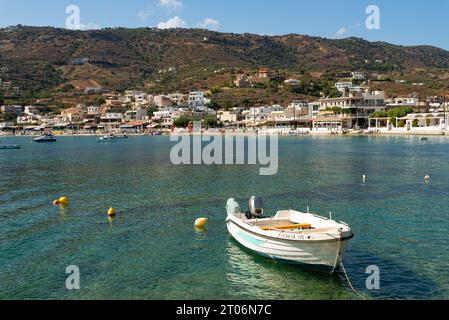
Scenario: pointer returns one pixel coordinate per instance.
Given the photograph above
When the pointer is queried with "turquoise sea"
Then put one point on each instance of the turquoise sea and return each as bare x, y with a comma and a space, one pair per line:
152, 251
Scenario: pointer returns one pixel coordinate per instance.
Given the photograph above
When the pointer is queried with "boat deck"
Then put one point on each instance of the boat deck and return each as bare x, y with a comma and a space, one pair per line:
270, 223
286, 225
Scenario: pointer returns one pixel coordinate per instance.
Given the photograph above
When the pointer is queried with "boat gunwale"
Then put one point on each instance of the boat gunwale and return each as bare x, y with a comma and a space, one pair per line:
264, 234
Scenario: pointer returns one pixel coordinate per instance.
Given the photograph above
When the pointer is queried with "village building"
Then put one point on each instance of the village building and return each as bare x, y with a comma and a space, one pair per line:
264, 73
111, 121
72, 115
162, 101
348, 112
243, 82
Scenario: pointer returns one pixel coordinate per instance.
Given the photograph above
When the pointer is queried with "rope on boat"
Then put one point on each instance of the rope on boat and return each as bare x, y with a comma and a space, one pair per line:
349, 281
338, 258
338, 252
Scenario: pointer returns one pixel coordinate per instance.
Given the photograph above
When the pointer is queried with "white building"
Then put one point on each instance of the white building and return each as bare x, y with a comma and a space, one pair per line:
412, 102
292, 82
357, 75
196, 99
46, 121
135, 114
136, 96
112, 117
177, 98
347, 86
232, 116
314, 109
353, 110
257, 115
300, 108
93, 110
28, 120
30, 110
167, 115
202, 111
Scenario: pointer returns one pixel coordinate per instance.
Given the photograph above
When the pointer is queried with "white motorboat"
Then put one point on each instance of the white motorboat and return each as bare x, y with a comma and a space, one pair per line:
107, 139
289, 236
45, 138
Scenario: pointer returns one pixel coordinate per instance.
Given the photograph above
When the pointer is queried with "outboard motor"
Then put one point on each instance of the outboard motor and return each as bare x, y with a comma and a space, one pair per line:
255, 207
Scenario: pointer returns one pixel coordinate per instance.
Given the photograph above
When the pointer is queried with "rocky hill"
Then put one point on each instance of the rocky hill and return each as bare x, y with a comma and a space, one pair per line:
45, 59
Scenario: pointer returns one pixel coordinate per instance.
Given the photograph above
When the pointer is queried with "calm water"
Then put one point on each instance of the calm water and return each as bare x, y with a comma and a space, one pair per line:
152, 251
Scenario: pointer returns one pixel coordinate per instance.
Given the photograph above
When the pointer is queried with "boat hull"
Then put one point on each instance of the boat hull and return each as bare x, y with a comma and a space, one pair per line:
44, 140
10, 147
316, 253
106, 140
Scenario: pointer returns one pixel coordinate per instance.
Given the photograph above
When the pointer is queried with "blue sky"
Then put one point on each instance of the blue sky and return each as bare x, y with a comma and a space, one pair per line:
402, 22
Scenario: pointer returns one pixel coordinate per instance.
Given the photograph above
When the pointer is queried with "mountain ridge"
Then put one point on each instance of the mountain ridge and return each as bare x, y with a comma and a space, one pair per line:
42, 58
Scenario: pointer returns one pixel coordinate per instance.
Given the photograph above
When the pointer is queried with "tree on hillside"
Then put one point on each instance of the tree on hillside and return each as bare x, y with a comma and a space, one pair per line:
101, 101
329, 90
7, 117
182, 122
213, 105
152, 110
211, 122
215, 90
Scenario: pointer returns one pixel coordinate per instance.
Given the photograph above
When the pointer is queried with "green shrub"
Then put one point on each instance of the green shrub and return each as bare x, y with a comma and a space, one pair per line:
400, 112
379, 114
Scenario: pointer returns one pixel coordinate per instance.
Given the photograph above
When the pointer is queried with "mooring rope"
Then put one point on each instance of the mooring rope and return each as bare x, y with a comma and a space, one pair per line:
349, 281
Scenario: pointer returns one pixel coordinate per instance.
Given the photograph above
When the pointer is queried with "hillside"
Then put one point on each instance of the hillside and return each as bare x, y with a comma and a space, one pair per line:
44, 59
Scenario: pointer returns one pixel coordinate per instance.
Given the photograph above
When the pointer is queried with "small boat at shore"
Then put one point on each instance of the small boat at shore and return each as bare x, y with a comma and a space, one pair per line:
120, 136
107, 139
45, 138
10, 147
290, 236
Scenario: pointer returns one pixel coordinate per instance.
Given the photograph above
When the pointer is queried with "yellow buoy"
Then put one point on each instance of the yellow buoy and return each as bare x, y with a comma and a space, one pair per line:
112, 212
63, 201
201, 222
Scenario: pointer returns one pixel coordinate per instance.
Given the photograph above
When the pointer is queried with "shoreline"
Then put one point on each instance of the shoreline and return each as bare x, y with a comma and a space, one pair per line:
310, 134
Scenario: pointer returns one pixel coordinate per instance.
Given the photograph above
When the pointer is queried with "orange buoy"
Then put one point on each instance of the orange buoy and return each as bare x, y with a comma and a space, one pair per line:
201, 222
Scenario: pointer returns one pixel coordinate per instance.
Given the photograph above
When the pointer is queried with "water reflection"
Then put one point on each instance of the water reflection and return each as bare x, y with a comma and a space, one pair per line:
254, 277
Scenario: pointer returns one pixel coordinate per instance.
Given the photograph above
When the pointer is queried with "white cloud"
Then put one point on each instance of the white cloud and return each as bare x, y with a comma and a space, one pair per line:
144, 14
89, 26
175, 22
342, 32
209, 23
171, 4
